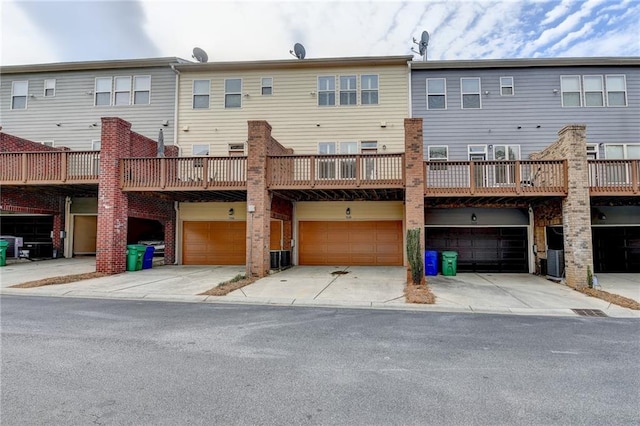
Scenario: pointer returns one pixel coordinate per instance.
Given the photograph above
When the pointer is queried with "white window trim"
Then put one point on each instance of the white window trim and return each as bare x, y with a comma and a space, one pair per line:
606, 91
340, 90
362, 89
437, 94
234, 147
625, 152
484, 151
44, 90
95, 91
335, 87
479, 93
224, 98
335, 147
114, 91
133, 89
513, 85
262, 86
201, 144
50, 143
602, 91
194, 94
506, 151
95, 142
562, 91
26, 96
594, 148
446, 147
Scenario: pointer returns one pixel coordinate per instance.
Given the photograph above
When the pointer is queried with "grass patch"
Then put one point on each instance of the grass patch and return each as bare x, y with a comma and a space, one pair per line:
419, 294
616, 299
227, 287
60, 280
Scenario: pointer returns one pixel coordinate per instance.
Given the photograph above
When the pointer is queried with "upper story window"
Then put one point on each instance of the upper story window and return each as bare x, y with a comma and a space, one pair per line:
236, 149
592, 151
326, 148
622, 151
233, 93
49, 87
570, 88
470, 92
369, 147
266, 84
348, 93
436, 93
19, 92
200, 150
201, 89
593, 91
122, 95
616, 90
326, 91
47, 143
506, 86
103, 91
438, 153
141, 89
369, 89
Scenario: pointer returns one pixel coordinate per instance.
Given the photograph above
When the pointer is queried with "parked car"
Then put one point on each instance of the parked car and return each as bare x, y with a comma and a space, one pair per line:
158, 244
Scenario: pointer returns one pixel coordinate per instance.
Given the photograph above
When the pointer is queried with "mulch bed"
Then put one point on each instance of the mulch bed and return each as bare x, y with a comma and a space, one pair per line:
616, 299
228, 286
419, 294
60, 280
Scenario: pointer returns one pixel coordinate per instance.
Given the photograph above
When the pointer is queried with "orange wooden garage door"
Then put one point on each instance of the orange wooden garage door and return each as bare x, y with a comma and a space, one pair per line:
350, 243
214, 243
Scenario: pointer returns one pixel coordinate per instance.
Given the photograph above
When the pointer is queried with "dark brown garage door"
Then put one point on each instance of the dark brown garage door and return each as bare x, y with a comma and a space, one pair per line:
350, 243
214, 243
616, 249
482, 249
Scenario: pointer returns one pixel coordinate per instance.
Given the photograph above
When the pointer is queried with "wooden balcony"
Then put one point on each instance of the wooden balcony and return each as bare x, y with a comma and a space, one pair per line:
49, 168
366, 171
183, 174
614, 177
495, 178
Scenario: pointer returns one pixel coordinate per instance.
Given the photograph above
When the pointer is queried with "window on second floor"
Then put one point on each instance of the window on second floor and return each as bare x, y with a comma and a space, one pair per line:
236, 149
233, 93
506, 86
616, 90
570, 88
141, 89
200, 150
103, 91
47, 143
122, 95
436, 93
348, 93
19, 93
593, 91
49, 87
470, 93
438, 154
369, 89
326, 91
266, 86
201, 89
622, 151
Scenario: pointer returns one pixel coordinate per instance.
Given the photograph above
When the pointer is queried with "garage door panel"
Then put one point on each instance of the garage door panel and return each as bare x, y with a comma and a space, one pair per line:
350, 243
616, 249
214, 243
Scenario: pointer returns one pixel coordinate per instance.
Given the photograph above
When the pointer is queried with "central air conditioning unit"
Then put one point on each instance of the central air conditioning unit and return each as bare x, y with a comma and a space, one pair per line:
555, 263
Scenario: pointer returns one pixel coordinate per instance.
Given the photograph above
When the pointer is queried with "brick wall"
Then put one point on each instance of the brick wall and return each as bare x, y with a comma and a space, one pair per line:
414, 177
10, 143
144, 207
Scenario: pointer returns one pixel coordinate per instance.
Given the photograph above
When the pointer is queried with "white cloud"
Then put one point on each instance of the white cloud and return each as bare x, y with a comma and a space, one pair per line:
21, 41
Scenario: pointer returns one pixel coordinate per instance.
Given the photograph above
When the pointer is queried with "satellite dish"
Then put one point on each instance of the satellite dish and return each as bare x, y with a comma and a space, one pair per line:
424, 42
298, 51
200, 55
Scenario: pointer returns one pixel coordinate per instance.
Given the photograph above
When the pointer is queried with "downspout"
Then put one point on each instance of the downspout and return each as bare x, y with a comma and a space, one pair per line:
409, 87
176, 237
175, 107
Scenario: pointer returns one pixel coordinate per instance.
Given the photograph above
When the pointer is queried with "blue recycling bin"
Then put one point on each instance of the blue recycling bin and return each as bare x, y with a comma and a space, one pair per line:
147, 260
431, 262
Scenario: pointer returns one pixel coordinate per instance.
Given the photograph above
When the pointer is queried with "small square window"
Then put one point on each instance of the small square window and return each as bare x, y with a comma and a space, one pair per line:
236, 149
506, 86
50, 88
438, 154
19, 91
267, 86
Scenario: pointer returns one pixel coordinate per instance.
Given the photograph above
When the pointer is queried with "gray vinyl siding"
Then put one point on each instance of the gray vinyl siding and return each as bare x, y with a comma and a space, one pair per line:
533, 104
73, 107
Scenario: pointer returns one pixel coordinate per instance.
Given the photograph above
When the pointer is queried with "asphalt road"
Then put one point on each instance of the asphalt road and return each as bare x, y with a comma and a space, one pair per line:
81, 361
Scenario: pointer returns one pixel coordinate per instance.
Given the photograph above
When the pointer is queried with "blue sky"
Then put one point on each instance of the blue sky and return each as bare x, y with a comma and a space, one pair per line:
62, 31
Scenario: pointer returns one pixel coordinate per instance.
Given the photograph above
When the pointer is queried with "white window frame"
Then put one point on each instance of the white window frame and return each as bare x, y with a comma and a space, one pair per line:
238, 93
96, 145
585, 78
236, 149
198, 162
504, 175
364, 90
136, 89
96, 92
327, 91
326, 168
504, 85
463, 93
563, 91
625, 150
351, 92
607, 91
592, 148
52, 83
194, 94
431, 157
482, 151
443, 94
264, 86
116, 91
368, 168
14, 95
49, 143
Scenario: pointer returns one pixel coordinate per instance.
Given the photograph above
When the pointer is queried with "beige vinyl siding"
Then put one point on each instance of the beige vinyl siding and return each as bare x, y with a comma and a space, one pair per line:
212, 211
73, 107
292, 110
360, 210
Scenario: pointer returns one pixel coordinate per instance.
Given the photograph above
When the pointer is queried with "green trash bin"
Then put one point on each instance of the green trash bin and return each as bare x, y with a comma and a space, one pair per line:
449, 263
135, 254
3, 252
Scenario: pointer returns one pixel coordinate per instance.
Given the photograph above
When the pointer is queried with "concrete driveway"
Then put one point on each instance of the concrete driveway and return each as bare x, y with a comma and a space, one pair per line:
23, 270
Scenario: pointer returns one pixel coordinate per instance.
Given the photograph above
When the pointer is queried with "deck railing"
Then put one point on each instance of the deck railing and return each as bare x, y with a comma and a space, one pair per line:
183, 173
50, 167
336, 171
495, 178
614, 177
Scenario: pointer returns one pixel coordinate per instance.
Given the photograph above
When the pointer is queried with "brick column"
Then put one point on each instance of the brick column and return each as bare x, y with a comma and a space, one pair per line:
259, 221
58, 226
414, 178
169, 242
111, 244
576, 207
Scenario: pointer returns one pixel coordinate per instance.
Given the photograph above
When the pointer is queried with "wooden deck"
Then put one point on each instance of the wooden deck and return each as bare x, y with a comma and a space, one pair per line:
49, 168
614, 177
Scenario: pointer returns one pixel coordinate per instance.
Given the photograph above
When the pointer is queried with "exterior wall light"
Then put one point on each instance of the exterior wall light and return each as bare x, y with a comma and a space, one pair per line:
348, 211
474, 218
231, 211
